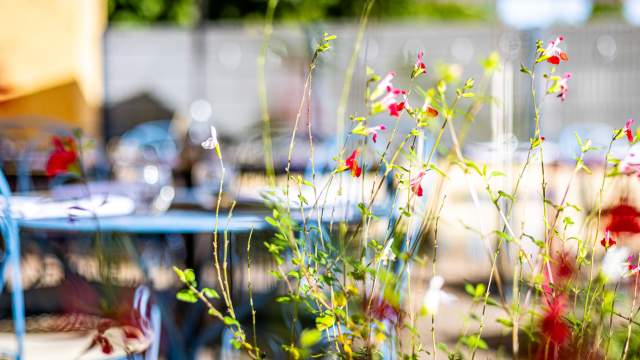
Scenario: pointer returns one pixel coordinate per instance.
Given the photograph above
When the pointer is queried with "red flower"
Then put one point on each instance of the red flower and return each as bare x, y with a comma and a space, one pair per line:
384, 96
352, 164
564, 268
415, 183
632, 265
607, 241
419, 67
628, 130
554, 327
382, 310
395, 109
62, 157
623, 218
554, 53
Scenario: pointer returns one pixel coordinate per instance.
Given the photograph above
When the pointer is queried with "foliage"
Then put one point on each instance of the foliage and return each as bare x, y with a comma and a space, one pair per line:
566, 299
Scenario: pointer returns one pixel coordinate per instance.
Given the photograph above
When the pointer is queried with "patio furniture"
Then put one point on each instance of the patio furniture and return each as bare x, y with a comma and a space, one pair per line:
184, 222
11, 256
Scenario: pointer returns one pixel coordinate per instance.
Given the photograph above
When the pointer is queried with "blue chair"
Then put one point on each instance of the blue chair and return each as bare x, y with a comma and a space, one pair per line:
10, 235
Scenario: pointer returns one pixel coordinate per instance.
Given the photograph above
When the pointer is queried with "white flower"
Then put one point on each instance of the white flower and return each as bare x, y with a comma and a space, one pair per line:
387, 255
614, 264
435, 295
631, 162
211, 142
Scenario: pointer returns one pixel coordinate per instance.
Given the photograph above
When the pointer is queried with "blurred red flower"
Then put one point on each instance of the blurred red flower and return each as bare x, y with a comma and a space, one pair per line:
623, 218
554, 327
62, 157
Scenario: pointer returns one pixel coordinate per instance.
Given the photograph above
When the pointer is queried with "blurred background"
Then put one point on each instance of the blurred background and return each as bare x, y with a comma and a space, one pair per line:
145, 79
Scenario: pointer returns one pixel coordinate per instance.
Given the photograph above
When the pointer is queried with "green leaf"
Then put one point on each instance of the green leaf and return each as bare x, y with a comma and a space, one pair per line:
436, 169
506, 322
525, 70
469, 289
310, 337
210, 293
180, 274
505, 195
187, 295
474, 342
235, 343
504, 236
325, 321
229, 321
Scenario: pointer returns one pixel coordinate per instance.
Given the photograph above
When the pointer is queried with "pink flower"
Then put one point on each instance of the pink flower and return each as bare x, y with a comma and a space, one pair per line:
607, 242
564, 86
419, 67
628, 130
633, 267
374, 131
554, 53
352, 164
415, 183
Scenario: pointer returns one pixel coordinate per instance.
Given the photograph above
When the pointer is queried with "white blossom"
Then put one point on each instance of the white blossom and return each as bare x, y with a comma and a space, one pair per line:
211, 142
614, 264
435, 295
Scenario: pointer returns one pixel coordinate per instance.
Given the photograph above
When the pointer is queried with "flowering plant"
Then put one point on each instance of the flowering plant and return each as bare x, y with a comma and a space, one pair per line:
568, 291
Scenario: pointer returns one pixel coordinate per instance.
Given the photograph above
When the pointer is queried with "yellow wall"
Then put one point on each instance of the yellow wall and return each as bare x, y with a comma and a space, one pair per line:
51, 60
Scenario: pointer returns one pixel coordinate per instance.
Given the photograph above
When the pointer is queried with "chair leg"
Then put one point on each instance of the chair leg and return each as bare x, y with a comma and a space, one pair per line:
17, 294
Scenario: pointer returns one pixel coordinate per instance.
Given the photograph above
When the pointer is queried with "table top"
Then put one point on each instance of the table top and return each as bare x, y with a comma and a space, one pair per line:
170, 222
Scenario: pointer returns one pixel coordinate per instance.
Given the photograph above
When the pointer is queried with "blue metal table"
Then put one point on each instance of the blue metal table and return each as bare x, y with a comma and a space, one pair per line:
170, 222
185, 222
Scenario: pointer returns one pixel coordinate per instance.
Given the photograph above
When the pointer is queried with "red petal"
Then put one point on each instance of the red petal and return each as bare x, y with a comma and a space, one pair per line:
554, 60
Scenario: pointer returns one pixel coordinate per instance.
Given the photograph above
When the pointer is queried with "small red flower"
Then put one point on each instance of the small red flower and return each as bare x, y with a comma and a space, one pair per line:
419, 67
62, 157
628, 130
554, 53
632, 265
384, 96
352, 164
395, 109
554, 327
607, 241
415, 183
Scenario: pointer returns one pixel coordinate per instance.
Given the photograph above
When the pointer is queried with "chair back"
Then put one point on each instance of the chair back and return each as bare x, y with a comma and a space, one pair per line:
149, 321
